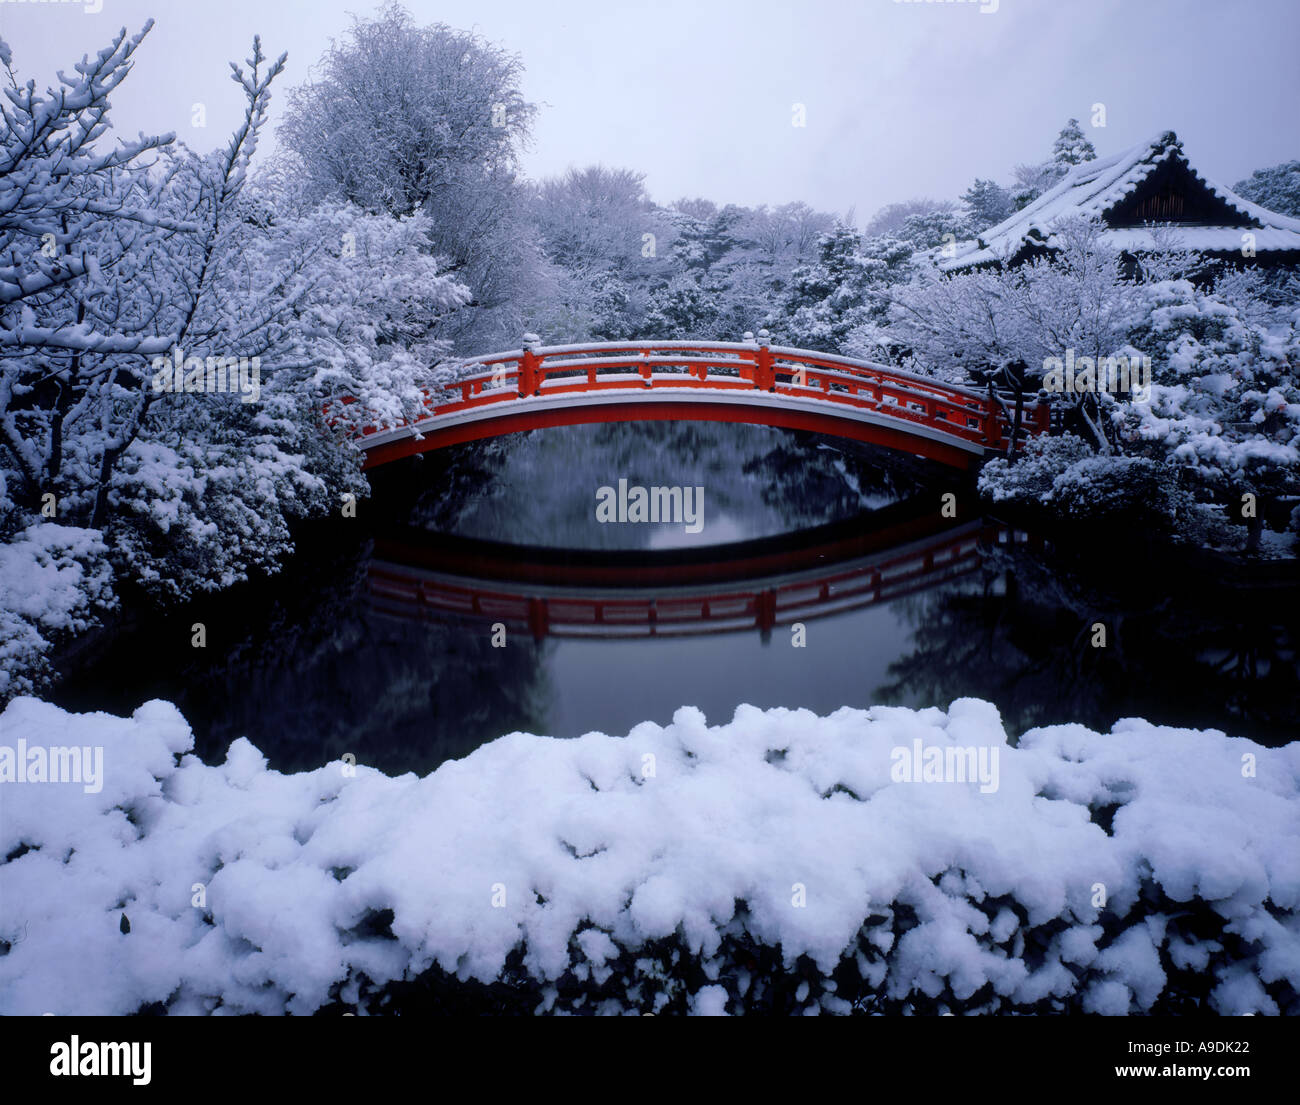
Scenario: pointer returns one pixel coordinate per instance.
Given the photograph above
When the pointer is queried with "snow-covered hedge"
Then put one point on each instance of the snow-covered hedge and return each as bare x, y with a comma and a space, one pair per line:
769, 863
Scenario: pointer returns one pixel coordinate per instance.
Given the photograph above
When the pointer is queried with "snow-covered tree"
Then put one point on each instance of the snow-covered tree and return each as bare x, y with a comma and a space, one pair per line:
705, 234
617, 260
1277, 188
1072, 147
936, 228
889, 220
1031, 181
142, 249
958, 326
686, 307
169, 358
594, 219
402, 118
784, 237
1220, 420
987, 203
1225, 402
844, 289
962, 327
609, 247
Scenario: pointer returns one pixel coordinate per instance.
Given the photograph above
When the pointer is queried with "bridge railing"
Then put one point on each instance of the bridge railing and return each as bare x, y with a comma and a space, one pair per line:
752, 365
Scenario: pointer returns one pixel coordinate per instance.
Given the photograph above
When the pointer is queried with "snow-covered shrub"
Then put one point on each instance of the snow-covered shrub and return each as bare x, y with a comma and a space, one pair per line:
54, 582
771, 863
1116, 489
1063, 475
1225, 401
684, 308
1031, 477
361, 296
199, 516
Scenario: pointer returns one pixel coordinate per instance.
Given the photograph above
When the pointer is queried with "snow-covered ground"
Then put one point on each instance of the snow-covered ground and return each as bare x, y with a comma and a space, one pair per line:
247, 890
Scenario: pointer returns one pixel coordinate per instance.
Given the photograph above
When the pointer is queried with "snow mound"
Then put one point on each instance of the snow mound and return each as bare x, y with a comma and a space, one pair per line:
660, 870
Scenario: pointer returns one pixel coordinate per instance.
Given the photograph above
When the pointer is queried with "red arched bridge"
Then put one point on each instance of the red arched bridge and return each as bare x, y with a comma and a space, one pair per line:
753, 382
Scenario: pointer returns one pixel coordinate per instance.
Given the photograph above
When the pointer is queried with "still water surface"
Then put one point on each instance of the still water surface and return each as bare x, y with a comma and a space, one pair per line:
378, 637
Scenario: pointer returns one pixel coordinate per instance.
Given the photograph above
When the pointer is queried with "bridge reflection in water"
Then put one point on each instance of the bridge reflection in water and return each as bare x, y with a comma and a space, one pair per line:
758, 585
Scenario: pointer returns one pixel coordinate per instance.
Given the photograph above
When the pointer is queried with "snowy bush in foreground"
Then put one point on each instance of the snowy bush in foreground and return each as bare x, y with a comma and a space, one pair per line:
54, 581
768, 863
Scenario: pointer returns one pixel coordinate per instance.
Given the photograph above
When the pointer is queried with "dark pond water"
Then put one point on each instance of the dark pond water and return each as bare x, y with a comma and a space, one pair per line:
479, 594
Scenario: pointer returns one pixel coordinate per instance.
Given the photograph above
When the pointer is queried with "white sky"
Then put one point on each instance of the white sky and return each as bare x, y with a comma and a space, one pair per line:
902, 99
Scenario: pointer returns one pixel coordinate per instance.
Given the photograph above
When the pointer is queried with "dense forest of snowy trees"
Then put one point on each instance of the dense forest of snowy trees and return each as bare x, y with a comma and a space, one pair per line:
394, 232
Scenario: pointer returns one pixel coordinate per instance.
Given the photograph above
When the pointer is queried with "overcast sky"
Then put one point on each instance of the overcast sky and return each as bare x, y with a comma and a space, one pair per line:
901, 99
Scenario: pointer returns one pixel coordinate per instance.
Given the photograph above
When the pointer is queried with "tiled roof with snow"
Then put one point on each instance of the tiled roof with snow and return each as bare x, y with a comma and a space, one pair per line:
1095, 187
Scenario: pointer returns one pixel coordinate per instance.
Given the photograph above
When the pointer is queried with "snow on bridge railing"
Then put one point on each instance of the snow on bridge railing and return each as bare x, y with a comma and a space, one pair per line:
537, 370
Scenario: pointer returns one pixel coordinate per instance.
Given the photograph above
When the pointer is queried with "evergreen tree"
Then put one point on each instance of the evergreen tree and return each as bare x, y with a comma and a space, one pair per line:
1072, 147
683, 309
704, 240
841, 290
1277, 188
987, 204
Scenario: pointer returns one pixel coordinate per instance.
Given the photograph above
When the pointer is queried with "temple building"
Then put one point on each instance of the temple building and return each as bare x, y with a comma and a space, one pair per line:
1149, 198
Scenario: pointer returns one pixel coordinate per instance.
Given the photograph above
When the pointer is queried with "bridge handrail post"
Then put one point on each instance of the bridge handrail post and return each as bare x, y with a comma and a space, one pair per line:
764, 363
528, 365
992, 420
1043, 411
